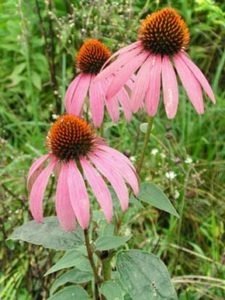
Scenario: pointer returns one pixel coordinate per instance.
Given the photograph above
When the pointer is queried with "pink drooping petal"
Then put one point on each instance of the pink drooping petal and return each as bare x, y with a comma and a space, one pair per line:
199, 75
78, 195
57, 169
64, 209
141, 85
123, 168
114, 179
96, 99
35, 170
125, 103
125, 54
99, 188
131, 82
170, 89
38, 189
70, 92
79, 95
190, 83
122, 76
128, 48
153, 92
112, 106
116, 154
125, 57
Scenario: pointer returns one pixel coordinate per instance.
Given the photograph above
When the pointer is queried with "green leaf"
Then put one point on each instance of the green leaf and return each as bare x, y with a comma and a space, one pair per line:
112, 290
36, 80
41, 62
153, 195
110, 242
144, 276
18, 69
107, 229
72, 258
72, 276
72, 292
48, 234
16, 76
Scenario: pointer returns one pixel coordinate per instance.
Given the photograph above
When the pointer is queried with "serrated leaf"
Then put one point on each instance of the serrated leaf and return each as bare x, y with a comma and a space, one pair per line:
72, 276
72, 292
153, 195
104, 243
48, 234
71, 258
144, 276
112, 290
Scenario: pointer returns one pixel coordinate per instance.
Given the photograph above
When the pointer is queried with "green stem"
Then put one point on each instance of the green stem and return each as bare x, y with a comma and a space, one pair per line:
136, 141
97, 280
106, 268
101, 130
63, 88
147, 137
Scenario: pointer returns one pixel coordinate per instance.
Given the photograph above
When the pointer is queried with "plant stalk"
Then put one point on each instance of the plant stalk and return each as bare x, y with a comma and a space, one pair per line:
97, 280
147, 138
106, 268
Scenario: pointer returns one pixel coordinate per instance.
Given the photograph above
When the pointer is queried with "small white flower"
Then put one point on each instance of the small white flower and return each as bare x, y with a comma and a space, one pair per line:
127, 232
170, 175
154, 151
54, 116
144, 127
188, 160
176, 194
163, 155
133, 158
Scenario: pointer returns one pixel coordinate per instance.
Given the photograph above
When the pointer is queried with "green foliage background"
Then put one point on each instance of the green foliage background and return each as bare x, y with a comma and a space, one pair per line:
38, 42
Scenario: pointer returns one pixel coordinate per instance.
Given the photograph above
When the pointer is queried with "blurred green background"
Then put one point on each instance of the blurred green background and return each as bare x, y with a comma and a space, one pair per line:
38, 42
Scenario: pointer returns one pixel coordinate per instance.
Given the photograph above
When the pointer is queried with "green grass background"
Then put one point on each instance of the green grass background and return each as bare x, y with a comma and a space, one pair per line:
38, 41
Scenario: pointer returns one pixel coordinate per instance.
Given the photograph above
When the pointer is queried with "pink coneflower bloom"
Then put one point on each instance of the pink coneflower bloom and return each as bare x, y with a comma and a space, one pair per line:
79, 159
90, 59
158, 56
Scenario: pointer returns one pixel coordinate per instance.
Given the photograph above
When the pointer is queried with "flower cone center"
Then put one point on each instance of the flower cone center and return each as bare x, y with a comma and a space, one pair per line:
70, 137
164, 32
92, 56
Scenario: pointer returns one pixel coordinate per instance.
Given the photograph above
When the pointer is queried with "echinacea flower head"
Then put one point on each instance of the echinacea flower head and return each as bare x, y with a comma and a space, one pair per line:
90, 59
164, 33
92, 56
79, 159
158, 56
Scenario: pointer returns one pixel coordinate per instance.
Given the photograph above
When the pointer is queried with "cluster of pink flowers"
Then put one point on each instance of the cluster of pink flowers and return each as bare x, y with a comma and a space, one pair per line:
129, 80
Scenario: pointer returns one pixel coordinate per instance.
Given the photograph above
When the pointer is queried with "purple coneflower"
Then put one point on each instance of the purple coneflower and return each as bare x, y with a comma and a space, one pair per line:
90, 59
79, 158
159, 54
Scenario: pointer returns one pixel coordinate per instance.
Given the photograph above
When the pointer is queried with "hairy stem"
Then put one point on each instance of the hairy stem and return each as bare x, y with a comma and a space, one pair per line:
97, 280
147, 137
